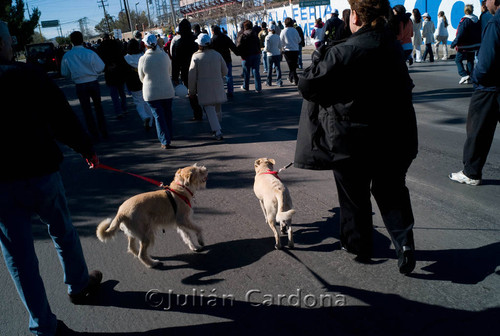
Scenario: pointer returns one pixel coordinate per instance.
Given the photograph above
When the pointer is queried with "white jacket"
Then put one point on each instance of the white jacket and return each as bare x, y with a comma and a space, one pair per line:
206, 73
154, 72
290, 39
82, 65
441, 29
428, 31
272, 45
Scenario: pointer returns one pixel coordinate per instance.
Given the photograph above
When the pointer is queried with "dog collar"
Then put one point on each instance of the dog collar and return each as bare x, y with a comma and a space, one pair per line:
270, 172
187, 189
181, 196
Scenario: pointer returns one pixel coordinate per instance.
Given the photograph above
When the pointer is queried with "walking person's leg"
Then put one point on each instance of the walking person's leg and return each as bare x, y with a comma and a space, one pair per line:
17, 245
246, 74
356, 223
229, 80
277, 62
210, 110
83, 94
161, 124
393, 200
256, 73
114, 92
95, 94
482, 119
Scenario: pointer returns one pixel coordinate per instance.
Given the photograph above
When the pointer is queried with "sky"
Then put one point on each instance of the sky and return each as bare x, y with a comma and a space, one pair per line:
68, 12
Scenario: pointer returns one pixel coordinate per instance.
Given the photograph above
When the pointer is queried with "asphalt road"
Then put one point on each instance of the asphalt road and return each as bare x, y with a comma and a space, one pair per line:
239, 284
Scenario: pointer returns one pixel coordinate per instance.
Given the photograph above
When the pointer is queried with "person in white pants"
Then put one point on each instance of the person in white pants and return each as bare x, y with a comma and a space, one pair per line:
206, 74
442, 35
134, 84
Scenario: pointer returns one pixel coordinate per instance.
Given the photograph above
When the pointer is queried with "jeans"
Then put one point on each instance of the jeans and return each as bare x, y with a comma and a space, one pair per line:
162, 112
229, 78
300, 64
469, 57
482, 119
251, 63
85, 92
117, 93
264, 60
19, 202
274, 60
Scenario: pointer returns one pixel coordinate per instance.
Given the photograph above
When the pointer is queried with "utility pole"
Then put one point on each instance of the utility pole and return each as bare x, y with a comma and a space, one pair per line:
128, 15
105, 14
149, 17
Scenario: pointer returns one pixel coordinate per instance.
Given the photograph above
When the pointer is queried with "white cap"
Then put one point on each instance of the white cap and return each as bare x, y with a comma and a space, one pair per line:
203, 40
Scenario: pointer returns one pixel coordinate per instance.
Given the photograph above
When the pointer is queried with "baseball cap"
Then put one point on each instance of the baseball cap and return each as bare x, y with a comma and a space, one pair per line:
203, 40
425, 15
150, 40
272, 27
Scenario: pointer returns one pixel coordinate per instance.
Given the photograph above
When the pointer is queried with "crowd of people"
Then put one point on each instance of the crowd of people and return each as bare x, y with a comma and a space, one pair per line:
338, 130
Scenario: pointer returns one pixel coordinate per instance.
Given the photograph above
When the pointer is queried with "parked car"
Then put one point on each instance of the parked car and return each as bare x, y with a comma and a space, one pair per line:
43, 54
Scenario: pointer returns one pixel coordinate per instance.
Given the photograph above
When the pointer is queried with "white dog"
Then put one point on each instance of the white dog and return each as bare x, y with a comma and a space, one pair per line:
274, 198
140, 216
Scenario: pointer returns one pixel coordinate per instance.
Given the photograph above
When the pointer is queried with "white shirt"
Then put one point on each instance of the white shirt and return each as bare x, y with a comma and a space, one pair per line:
82, 65
272, 45
290, 39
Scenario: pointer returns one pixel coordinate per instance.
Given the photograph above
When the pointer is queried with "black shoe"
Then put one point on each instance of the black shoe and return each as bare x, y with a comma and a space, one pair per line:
63, 330
95, 278
406, 261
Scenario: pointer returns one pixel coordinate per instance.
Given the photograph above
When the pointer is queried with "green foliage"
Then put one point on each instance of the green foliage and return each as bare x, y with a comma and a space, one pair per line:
13, 13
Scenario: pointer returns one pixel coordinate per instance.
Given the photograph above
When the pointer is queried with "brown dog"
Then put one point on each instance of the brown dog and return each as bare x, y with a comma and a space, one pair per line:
140, 216
274, 198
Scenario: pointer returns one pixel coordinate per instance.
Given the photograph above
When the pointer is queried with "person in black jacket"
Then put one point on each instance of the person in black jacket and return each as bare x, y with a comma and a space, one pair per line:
223, 44
363, 127
182, 51
249, 49
111, 54
30, 185
484, 107
467, 43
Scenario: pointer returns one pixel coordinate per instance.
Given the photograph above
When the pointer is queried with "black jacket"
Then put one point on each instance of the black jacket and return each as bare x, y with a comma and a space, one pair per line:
357, 102
34, 116
248, 44
223, 44
111, 53
182, 51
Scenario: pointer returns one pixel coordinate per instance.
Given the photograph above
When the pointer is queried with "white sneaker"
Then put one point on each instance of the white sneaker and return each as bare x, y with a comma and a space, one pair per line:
464, 79
444, 58
460, 177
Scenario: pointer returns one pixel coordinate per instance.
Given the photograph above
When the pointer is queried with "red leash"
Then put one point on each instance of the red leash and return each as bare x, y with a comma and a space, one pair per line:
150, 180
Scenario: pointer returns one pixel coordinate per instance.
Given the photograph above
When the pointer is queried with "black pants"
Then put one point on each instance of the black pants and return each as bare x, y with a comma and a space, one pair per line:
356, 180
85, 92
428, 50
292, 58
484, 113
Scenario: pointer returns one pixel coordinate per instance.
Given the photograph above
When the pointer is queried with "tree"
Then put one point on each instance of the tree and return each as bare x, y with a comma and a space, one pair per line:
22, 29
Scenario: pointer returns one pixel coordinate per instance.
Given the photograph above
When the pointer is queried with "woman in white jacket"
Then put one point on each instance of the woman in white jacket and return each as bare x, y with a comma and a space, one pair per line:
442, 35
416, 18
428, 30
206, 74
157, 89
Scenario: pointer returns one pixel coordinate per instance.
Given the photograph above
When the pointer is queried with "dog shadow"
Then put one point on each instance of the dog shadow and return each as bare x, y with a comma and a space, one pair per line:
220, 257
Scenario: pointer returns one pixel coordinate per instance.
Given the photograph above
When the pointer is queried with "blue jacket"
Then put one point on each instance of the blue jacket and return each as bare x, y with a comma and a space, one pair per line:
486, 73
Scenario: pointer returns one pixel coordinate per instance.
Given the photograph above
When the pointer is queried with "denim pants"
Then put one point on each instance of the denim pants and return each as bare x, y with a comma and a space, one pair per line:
85, 92
229, 78
251, 63
162, 112
19, 202
274, 60
469, 57
264, 60
119, 98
